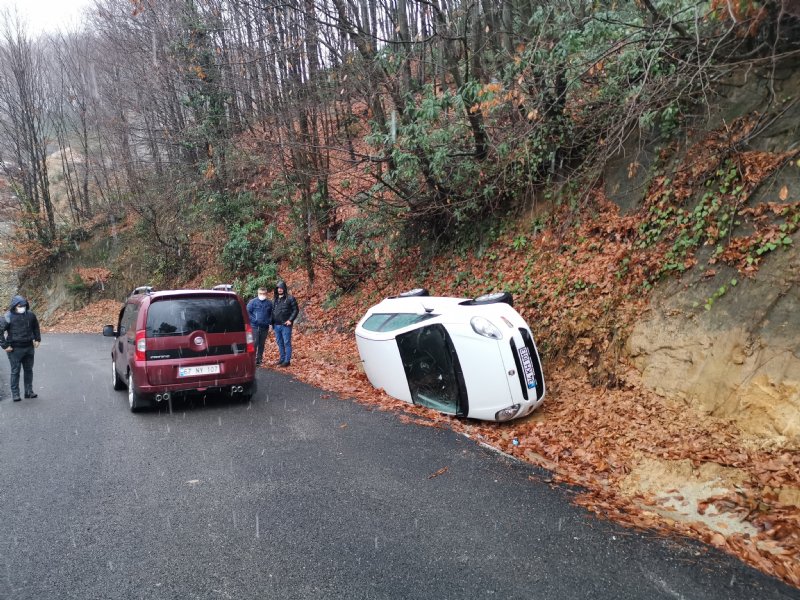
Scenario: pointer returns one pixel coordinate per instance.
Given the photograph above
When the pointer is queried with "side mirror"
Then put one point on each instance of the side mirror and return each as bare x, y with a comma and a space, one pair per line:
108, 331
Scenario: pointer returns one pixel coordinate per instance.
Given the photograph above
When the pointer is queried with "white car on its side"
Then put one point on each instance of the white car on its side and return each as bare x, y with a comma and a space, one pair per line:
471, 358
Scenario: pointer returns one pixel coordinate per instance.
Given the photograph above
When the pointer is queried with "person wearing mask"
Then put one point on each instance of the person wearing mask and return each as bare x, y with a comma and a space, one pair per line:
19, 337
284, 313
260, 311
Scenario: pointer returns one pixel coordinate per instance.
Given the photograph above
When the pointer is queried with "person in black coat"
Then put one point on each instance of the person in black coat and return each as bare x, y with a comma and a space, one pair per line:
19, 337
284, 313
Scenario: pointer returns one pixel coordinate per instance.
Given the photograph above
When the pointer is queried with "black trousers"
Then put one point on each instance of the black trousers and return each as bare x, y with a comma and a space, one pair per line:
260, 338
21, 357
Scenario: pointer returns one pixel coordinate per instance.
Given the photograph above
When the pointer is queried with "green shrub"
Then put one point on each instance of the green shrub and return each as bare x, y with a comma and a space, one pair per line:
249, 245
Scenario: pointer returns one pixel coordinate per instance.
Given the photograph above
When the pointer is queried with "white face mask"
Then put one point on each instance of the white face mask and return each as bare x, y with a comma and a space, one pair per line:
262, 296
20, 309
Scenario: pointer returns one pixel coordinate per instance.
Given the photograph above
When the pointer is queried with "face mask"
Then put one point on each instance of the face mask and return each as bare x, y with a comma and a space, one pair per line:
20, 309
262, 296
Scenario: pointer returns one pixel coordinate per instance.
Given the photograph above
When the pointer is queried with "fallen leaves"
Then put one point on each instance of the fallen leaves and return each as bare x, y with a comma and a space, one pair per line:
441, 471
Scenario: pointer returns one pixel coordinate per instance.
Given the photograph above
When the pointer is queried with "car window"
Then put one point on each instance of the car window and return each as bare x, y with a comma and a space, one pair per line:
181, 316
392, 321
128, 318
433, 370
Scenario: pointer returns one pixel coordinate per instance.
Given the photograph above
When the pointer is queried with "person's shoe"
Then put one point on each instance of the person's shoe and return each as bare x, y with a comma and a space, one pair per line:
17, 399
278, 363
284, 364
31, 395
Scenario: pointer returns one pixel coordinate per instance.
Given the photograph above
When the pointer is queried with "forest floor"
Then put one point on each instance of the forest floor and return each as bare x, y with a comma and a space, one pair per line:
636, 457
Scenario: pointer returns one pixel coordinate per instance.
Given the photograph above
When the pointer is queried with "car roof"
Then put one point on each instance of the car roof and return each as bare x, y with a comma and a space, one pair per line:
182, 293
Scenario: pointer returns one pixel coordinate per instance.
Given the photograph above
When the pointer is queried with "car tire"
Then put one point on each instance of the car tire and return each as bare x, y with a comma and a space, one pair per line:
135, 399
117, 381
414, 292
494, 298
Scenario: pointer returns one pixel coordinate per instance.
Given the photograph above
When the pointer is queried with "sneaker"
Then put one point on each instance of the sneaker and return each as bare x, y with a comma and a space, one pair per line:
278, 363
17, 399
284, 364
31, 395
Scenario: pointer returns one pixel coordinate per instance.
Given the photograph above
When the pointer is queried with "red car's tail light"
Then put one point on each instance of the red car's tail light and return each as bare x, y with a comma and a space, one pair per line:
141, 345
251, 346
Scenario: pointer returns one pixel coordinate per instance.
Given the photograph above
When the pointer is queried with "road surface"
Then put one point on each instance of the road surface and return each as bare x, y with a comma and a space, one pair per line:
298, 495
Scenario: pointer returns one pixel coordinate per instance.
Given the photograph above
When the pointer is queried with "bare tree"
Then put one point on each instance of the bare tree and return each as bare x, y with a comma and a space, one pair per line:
24, 112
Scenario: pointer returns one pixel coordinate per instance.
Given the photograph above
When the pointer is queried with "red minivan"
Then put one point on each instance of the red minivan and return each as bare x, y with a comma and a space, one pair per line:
176, 342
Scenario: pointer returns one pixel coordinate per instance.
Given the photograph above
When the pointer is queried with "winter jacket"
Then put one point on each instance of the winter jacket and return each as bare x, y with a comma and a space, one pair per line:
283, 309
260, 312
19, 330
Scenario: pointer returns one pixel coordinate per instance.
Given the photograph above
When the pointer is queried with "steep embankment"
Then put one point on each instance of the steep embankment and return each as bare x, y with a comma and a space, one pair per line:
670, 337
738, 355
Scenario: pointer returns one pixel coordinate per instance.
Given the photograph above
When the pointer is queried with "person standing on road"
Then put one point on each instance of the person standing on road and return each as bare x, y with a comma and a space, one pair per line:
260, 311
284, 313
19, 337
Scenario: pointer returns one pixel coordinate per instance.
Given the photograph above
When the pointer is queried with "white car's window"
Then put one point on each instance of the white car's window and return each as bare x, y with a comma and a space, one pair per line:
392, 321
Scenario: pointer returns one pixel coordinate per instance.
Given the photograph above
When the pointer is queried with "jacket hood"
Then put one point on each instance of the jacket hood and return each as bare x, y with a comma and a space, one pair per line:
17, 301
282, 284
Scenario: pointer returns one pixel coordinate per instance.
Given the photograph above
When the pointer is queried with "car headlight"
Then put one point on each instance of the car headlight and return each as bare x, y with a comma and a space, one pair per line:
484, 327
507, 413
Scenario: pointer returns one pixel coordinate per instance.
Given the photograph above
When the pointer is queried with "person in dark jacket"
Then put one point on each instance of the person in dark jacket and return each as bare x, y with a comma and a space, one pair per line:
19, 337
284, 313
260, 311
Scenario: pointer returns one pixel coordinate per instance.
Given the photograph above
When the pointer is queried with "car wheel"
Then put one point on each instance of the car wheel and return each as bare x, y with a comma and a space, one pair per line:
134, 398
116, 380
414, 292
494, 298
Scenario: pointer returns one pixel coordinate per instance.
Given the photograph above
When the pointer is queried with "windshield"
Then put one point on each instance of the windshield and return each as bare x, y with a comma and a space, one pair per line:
181, 316
433, 370
392, 321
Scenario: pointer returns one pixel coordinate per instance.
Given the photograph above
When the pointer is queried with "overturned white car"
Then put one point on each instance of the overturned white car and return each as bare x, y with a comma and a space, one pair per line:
471, 358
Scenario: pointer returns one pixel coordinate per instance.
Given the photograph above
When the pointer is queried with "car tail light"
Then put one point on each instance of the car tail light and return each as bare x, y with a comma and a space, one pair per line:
141, 345
251, 347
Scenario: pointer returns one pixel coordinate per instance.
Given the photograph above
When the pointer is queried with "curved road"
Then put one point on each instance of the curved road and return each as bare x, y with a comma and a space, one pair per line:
297, 495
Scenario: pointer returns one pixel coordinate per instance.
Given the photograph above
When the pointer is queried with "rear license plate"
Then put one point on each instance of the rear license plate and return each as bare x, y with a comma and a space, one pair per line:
198, 370
527, 367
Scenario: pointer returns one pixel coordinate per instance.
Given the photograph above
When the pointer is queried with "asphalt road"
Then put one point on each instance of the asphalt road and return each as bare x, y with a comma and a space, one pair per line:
298, 495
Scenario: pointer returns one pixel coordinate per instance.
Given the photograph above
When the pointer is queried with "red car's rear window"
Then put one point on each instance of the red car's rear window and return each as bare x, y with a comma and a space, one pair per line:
181, 316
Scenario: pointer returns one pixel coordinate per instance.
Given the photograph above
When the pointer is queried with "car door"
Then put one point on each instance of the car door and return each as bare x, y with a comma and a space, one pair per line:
126, 338
433, 369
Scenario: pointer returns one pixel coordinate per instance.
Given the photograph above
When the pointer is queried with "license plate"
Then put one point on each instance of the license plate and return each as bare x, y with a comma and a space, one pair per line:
198, 370
527, 367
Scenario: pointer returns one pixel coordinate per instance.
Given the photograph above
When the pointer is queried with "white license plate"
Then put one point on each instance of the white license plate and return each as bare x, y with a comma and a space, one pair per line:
198, 370
527, 367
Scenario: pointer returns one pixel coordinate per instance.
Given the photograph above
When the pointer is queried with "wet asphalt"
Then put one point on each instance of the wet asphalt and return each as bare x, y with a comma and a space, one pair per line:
298, 494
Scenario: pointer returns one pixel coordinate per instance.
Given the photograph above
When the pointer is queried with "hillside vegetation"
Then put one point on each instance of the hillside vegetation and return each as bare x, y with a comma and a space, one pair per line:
629, 171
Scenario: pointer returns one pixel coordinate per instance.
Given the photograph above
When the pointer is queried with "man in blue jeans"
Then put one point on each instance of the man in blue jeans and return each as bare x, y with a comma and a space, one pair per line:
284, 313
260, 311
19, 337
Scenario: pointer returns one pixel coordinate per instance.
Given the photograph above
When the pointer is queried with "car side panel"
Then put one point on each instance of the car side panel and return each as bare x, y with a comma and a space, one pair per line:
383, 366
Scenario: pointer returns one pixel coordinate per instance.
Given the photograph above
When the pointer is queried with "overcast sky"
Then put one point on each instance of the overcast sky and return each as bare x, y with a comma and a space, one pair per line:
47, 15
